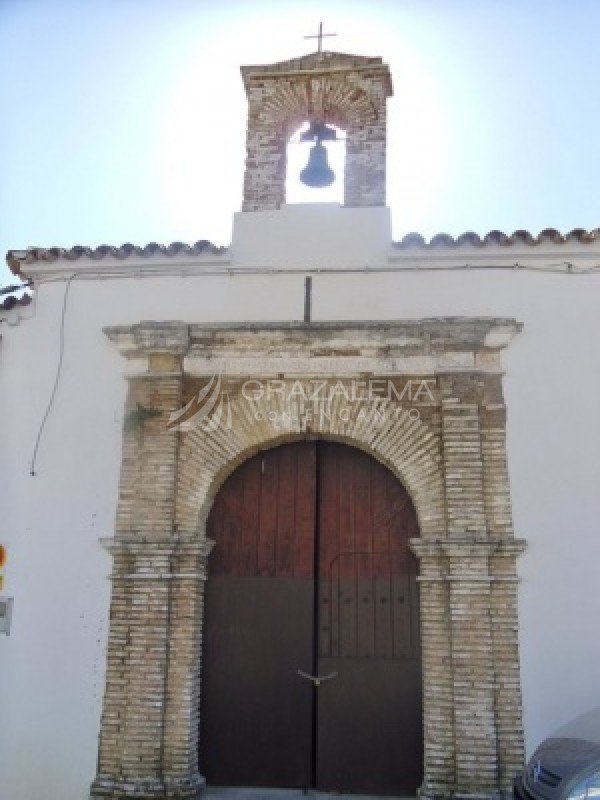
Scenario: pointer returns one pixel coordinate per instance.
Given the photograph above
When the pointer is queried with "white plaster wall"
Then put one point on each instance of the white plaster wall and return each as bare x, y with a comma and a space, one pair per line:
52, 665
311, 235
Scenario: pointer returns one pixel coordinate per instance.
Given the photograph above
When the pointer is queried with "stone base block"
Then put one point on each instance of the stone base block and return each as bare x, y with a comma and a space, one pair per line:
167, 788
491, 794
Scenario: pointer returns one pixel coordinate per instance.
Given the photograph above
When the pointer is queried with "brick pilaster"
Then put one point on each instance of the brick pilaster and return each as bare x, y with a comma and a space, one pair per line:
475, 735
505, 643
264, 176
463, 464
436, 655
467, 550
142, 754
148, 738
182, 702
504, 584
365, 172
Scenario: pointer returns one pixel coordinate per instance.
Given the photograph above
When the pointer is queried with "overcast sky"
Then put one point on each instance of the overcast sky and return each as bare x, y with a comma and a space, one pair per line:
124, 120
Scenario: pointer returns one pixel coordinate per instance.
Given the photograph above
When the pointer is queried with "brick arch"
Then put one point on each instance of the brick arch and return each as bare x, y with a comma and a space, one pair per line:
338, 102
405, 445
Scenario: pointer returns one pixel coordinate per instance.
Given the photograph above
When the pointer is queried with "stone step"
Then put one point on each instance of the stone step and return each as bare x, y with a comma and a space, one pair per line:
248, 793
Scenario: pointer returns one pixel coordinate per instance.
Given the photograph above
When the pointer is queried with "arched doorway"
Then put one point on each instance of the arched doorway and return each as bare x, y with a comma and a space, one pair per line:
311, 575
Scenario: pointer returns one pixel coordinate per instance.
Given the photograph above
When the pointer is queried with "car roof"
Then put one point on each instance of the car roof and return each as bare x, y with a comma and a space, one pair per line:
586, 726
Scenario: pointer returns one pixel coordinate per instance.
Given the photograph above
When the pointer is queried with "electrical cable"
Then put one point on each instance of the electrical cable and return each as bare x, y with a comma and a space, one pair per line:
32, 471
199, 270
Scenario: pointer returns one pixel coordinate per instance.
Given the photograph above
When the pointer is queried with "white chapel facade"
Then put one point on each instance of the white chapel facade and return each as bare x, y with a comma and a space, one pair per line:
290, 466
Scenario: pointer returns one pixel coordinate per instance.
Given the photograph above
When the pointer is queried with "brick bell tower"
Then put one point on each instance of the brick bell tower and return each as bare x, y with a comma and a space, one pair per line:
347, 91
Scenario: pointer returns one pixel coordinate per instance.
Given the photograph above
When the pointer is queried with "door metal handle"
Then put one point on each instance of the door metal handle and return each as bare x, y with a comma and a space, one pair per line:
317, 679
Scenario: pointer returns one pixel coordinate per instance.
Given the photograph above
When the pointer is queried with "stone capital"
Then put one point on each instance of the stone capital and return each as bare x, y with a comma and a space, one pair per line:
468, 548
426, 548
146, 339
158, 546
510, 547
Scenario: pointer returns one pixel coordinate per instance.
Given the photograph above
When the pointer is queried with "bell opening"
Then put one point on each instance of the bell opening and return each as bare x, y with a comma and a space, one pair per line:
315, 165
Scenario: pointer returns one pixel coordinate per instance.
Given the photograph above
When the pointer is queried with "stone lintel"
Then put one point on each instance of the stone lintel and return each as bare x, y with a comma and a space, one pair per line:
452, 344
436, 334
343, 365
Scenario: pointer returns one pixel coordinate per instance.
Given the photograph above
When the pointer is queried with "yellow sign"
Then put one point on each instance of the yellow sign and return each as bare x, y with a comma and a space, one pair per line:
2, 563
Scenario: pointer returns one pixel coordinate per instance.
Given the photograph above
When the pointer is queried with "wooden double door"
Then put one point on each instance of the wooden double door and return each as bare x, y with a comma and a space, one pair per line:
311, 656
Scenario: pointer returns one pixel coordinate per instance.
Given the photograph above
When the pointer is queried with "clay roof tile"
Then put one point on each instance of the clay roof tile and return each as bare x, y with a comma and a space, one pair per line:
17, 258
496, 237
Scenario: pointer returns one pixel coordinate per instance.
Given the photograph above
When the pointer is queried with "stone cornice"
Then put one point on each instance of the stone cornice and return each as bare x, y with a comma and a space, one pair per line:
321, 63
417, 347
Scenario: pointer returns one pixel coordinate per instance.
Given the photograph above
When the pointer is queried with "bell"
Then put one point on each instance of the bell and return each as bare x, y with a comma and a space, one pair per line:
317, 173
318, 131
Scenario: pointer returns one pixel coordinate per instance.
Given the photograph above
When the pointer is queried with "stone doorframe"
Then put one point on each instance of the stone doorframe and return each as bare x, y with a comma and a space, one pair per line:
423, 397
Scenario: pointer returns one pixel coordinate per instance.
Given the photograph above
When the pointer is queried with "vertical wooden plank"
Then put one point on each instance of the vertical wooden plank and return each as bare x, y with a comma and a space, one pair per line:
400, 610
231, 533
415, 624
305, 492
215, 532
250, 516
328, 494
384, 641
363, 542
412, 568
286, 511
399, 505
348, 595
268, 509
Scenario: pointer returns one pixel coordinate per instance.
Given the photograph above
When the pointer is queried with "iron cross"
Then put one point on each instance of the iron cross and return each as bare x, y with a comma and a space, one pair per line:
320, 36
